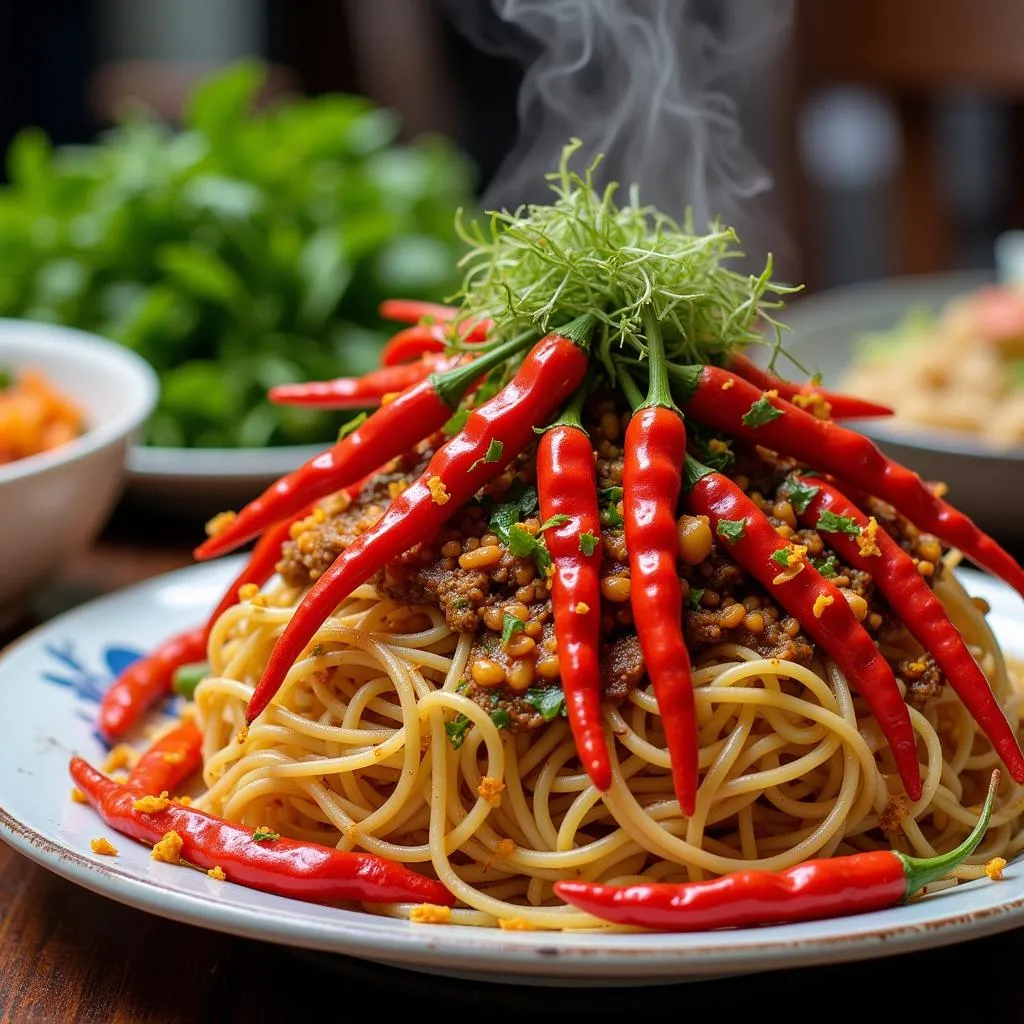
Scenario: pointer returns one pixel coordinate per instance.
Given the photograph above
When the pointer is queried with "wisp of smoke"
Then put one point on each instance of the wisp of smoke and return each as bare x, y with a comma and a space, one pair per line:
641, 81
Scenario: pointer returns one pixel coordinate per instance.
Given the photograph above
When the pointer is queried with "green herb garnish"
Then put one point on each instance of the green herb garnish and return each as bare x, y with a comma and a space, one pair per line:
588, 543
511, 512
510, 625
552, 523
456, 422
265, 835
353, 424
828, 567
493, 454
187, 677
829, 522
781, 557
501, 718
760, 413
694, 596
456, 730
523, 545
800, 495
548, 700
731, 529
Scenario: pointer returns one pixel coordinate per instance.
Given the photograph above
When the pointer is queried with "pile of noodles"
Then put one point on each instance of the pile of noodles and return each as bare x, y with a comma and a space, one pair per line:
354, 752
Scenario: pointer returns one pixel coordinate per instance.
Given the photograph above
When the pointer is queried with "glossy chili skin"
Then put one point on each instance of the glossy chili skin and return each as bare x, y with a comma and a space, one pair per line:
655, 446
721, 399
897, 579
567, 486
359, 392
813, 889
170, 760
841, 407
832, 626
458, 469
412, 311
432, 336
146, 680
305, 871
818, 888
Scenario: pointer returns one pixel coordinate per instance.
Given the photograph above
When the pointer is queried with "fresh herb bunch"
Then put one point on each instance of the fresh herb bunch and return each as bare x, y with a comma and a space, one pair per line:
543, 265
249, 249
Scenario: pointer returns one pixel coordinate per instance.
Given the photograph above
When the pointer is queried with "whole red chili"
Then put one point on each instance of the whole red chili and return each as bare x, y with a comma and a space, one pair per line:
863, 545
412, 343
567, 490
745, 532
431, 330
392, 430
655, 446
360, 392
255, 857
412, 311
169, 760
835, 405
146, 680
723, 400
494, 434
815, 889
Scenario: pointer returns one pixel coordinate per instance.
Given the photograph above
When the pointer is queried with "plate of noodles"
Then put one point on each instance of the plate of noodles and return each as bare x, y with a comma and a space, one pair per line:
528, 677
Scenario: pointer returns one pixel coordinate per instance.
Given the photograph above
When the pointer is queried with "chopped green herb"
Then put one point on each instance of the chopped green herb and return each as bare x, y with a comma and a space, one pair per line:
551, 523
731, 529
508, 513
265, 835
609, 497
760, 413
829, 522
693, 598
588, 543
462, 603
609, 494
456, 730
801, 495
353, 424
510, 625
828, 567
493, 454
548, 700
456, 422
501, 718
781, 557
523, 545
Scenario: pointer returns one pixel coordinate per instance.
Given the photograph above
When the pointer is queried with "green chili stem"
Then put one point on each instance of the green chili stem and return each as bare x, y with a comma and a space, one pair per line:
452, 385
695, 471
658, 393
633, 395
572, 414
922, 870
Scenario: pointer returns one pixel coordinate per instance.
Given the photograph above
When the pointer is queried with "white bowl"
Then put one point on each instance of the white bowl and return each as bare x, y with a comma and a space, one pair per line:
53, 504
985, 482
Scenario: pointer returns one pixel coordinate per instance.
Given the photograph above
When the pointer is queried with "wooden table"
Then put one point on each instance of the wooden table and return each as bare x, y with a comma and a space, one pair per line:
69, 955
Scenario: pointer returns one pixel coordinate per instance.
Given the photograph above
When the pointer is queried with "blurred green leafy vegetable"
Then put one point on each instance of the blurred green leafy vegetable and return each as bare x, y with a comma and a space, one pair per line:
250, 248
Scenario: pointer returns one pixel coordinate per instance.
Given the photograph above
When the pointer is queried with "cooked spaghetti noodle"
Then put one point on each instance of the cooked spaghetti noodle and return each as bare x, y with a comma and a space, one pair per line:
355, 751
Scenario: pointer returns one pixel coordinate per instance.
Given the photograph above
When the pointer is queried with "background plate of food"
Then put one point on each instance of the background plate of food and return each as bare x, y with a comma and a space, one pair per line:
945, 351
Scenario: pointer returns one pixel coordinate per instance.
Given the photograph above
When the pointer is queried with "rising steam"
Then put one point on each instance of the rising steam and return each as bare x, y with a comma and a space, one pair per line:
642, 81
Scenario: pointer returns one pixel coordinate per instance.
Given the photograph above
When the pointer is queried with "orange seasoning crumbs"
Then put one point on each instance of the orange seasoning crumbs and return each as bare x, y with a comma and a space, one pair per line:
105, 848
151, 804
438, 491
581, 608
185, 801
174, 757
169, 848
515, 924
728, 384
217, 872
247, 591
219, 522
716, 445
867, 539
505, 849
994, 868
242, 735
395, 488
795, 563
122, 756
491, 790
430, 913
78, 797
814, 402
821, 602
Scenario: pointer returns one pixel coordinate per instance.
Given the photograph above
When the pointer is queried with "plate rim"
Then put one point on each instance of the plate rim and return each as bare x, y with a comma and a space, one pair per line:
503, 956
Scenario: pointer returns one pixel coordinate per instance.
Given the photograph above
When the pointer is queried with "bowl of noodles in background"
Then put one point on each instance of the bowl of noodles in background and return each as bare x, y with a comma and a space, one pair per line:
944, 352
70, 405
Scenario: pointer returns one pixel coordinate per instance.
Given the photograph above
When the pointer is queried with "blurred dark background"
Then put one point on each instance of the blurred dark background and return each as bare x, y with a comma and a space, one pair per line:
893, 130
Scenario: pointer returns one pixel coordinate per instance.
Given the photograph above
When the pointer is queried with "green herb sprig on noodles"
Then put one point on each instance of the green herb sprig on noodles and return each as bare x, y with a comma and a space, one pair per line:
540, 266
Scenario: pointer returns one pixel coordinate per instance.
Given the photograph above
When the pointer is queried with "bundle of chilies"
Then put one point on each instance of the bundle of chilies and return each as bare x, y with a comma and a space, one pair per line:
424, 382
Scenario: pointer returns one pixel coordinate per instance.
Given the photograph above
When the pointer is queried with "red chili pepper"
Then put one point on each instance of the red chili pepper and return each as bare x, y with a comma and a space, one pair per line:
723, 400
305, 871
359, 392
146, 680
567, 489
895, 574
815, 889
494, 434
837, 406
172, 758
745, 532
655, 447
412, 311
412, 343
392, 430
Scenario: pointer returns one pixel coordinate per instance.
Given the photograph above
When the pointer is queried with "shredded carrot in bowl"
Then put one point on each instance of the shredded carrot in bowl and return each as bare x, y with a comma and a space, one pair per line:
35, 417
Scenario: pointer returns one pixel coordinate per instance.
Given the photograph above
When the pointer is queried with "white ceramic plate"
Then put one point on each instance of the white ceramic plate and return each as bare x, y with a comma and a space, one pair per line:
50, 682
984, 481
